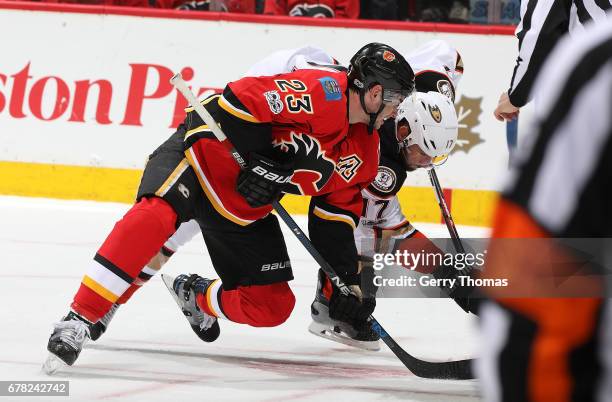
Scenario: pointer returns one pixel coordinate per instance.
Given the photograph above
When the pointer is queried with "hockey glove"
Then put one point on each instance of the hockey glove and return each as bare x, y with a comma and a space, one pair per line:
465, 296
261, 182
352, 309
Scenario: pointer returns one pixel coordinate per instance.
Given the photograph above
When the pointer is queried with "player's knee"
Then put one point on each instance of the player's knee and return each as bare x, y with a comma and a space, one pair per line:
137, 236
268, 305
157, 209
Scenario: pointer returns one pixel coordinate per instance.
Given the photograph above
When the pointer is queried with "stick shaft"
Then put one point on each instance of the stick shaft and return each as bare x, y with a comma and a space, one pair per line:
460, 369
180, 84
448, 219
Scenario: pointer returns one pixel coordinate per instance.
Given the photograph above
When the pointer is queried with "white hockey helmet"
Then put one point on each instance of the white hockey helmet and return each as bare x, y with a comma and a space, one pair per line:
430, 121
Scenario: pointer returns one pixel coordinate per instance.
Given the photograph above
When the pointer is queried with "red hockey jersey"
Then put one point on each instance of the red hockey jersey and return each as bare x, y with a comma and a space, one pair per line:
306, 112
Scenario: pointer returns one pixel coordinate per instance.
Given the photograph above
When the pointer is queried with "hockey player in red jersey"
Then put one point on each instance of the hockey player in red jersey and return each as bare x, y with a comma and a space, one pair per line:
309, 132
438, 67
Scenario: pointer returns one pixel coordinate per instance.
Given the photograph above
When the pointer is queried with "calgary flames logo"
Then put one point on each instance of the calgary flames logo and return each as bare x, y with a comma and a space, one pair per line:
315, 10
388, 56
312, 169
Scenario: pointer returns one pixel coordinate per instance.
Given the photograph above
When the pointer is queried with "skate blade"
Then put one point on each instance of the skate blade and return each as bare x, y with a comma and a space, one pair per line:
53, 364
324, 332
169, 282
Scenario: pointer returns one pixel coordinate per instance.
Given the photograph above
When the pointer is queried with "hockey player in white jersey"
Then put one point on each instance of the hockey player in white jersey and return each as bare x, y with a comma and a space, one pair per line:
438, 68
423, 133
425, 130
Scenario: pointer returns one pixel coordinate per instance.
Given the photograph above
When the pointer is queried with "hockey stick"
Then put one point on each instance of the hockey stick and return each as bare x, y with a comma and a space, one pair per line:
444, 370
448, 219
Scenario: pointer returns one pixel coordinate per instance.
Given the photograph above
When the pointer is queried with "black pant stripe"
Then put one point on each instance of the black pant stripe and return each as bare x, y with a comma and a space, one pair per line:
585, 366
113, 268
144, 276
514, 359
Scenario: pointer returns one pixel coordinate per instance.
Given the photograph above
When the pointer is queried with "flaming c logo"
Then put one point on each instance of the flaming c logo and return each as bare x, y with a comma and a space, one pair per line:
312, 169
388, 56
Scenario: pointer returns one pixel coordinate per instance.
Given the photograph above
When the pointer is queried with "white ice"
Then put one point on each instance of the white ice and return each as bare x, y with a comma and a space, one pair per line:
150, 353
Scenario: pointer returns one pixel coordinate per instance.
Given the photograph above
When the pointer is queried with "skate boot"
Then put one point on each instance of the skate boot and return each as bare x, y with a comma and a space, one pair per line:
100, 327
184, 289
67, 340
338, 331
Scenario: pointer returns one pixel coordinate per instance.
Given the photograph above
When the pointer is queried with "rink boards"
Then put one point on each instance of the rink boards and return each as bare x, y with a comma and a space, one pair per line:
84, 94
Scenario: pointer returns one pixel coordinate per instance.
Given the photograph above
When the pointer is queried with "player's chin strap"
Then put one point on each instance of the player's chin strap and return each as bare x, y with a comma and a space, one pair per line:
373, 116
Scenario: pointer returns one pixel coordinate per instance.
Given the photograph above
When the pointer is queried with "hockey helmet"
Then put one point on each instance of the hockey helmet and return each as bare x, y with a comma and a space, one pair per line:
376, 63
430, 121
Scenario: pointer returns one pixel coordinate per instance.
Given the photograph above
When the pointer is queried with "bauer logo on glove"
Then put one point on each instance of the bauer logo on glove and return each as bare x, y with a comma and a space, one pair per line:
261, 182
270, 175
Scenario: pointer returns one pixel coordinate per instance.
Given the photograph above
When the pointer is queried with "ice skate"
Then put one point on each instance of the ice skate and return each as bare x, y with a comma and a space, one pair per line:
100, 327
184, 289
338, 331
67, 340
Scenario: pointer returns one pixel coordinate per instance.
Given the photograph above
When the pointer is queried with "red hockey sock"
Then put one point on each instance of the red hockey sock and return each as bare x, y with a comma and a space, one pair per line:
147, 273
257, 306
134, 240
128, 293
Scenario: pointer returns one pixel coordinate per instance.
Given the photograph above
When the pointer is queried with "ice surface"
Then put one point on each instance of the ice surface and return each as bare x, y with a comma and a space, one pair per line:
149, 352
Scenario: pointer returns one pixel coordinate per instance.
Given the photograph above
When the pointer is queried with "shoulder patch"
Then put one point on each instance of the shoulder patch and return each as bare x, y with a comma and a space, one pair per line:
274, 101
446, 89
331, 89
385, 180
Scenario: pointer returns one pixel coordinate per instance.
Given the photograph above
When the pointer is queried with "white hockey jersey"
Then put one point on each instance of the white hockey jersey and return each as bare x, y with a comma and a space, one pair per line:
437, 67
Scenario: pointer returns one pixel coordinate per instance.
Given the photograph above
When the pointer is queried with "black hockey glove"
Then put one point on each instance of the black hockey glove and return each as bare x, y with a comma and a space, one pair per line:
261, 182
349, 308
465, 296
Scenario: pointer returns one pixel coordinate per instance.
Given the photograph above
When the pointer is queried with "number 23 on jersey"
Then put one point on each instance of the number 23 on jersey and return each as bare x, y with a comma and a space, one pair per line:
296, 102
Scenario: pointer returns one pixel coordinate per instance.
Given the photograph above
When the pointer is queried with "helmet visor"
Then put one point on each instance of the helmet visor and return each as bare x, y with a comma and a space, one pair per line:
395, 96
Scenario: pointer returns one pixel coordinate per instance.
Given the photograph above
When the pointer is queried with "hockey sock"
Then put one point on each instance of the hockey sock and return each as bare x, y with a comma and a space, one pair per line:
210, 302
257, 306
134, 240
147, 273
185, 232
